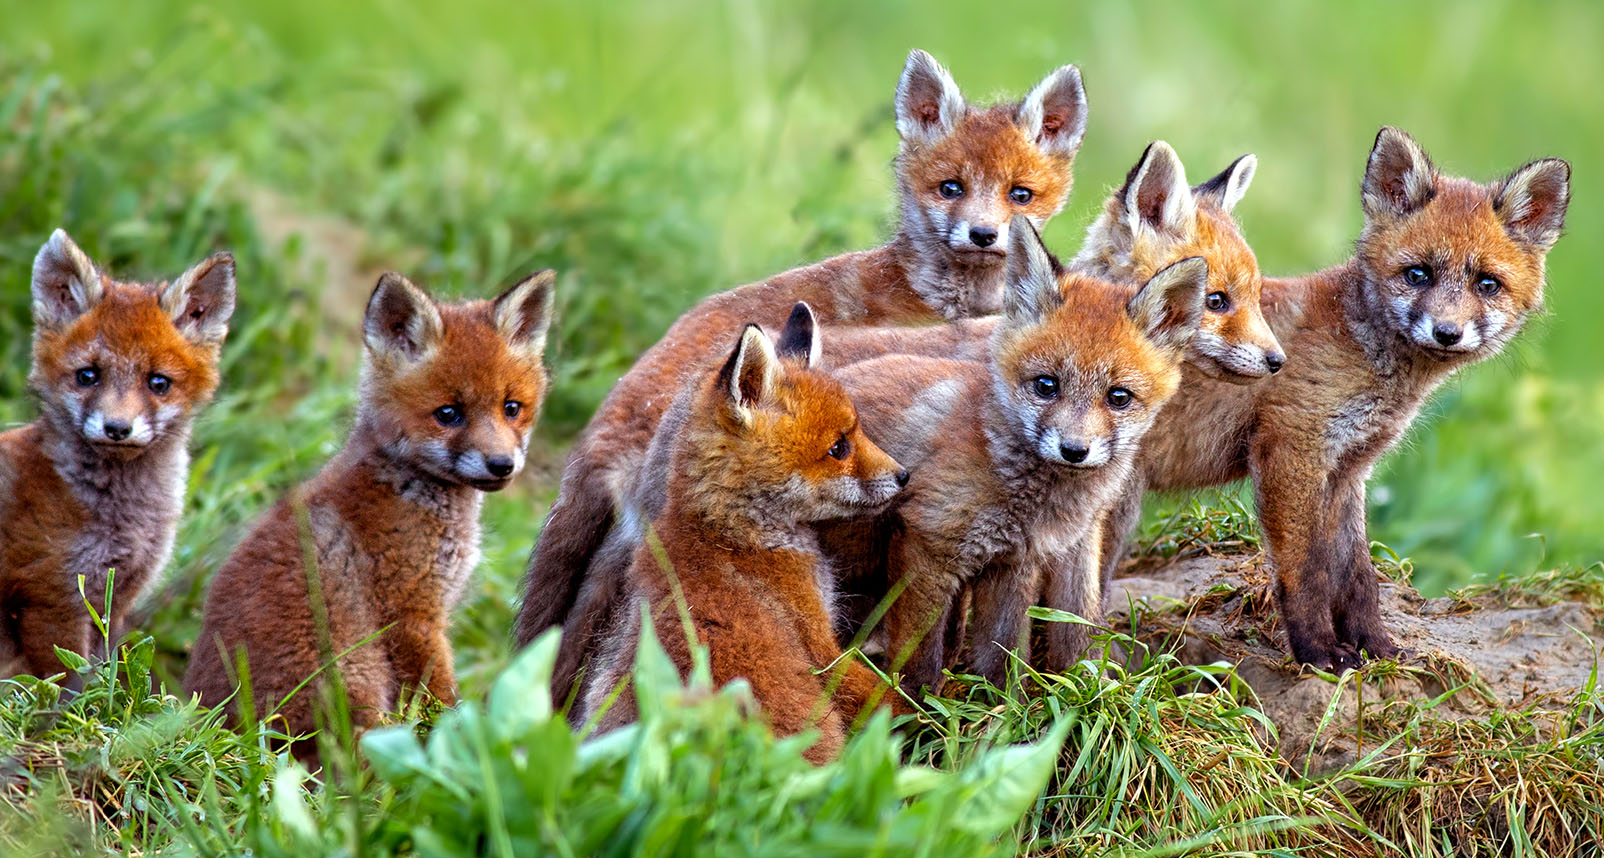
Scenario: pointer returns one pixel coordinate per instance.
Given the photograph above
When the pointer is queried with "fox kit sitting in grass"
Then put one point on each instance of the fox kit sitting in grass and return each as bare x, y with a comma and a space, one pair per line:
449, 395
769, 445
962, 173
97, 482
1016, 460
1446, 273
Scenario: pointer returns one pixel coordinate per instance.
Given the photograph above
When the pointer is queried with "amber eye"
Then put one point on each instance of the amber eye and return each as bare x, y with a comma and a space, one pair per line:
1045, 386
1119, 397
1417, 275
1020, 195
951, 189
1488, 285
87, 377
1217, 302
448, 415
159, 384
512, 408
841, 449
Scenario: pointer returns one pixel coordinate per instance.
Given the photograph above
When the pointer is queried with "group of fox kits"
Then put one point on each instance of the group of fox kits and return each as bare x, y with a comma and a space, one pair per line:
942, 433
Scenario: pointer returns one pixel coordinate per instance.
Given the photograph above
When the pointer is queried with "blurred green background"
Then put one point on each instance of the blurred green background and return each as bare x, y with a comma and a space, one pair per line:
654, 152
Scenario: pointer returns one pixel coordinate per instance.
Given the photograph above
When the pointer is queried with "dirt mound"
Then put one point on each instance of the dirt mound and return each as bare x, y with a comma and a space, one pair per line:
1488, 651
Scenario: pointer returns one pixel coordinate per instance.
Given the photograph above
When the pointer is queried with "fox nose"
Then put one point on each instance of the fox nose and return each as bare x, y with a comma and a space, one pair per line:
499, 466
116, 430
983, 236
1275, 360
1074, 452
902, 477
1446, 333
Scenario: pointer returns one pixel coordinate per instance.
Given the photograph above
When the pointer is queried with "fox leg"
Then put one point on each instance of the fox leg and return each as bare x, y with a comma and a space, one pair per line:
1117, 527
1356, 609
1071, 582
42, 629
1002, 595
1290, 487
916, 622
420, 655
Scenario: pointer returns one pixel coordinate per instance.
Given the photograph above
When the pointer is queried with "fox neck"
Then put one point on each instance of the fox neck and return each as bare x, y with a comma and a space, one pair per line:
155, 477
724, 507
367, 449
955, 291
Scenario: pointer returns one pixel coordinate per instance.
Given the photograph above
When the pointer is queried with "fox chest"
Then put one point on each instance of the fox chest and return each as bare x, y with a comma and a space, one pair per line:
1366, 424
412, 564
126, 531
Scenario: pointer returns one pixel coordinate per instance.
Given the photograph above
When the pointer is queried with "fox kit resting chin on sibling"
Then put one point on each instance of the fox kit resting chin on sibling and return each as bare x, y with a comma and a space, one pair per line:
97, 482
1016, 460
962, 173
768, 445
449, 395
1446, 272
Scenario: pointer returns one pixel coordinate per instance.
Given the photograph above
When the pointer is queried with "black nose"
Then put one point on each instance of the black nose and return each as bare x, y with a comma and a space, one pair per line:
902, 477
983, 236
116, 430
1074, 452
1275, 360
1446, 333
499, 466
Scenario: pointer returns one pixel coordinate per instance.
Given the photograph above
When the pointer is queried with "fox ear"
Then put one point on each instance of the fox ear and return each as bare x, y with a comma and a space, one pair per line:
1155, 194
1228, 188
1169, 308
928, 102
799, 339
201, 300
401, 320
1054, 113
1532, 202
747, 378
65, 283
523, 313
1032, 291
1399, 178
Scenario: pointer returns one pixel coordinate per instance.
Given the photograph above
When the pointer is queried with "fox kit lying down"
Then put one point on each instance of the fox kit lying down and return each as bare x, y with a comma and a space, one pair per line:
769, 444
97, 482
449, 395
1016, 460
1446, 272
962, 172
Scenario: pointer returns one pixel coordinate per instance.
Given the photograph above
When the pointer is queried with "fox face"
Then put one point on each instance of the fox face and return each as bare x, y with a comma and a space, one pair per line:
121, 366
1082, 380
965, 172
1154, 220
454, 389
1455, 267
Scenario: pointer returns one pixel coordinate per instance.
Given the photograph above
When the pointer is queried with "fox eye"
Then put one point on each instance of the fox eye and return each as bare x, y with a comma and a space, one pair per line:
1488, 285
512, 408
1119, 397
158, 383
1020, 195
1417, 275
1045, 386
87, 377
448, 415
841, 449
951, 189
1217, 302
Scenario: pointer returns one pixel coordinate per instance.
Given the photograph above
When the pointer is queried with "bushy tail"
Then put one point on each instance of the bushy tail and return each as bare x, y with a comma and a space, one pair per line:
574, 530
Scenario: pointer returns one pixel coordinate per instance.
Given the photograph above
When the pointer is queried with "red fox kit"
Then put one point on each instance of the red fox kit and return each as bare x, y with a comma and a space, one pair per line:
97, 482
448, 397
1446, 273
962, 173
1016, 460
769, 445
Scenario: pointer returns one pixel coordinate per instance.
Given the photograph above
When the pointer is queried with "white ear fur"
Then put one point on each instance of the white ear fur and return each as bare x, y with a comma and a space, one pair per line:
1157, 196
201, 300
1169, 307
523, 313
1032, 288
800, 336
1533, 200
1054, 113
1399, 177
66, 283
401, 321
1228, 188
748, 377
928, 103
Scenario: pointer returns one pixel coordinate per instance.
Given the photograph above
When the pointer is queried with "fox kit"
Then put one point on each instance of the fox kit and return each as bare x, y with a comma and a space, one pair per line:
1445, 274
97, 482
962, 173
769, 445
448, 397
1016, 460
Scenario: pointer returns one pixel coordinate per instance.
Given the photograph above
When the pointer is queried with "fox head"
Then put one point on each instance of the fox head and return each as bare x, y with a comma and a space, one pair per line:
1455, 267
964, 172
776, 438
124, 366
454, 389
1080, 365
1154, 220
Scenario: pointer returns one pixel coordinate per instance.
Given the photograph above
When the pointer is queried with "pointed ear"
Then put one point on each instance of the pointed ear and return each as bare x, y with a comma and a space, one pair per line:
65, 283
401, 321
1169, 307
1399, 178
201, 300
1532, 202
1155, 194
1227, 189
1054, 113
747, 378
799, 340
523, 313
1032, 283
928, 102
